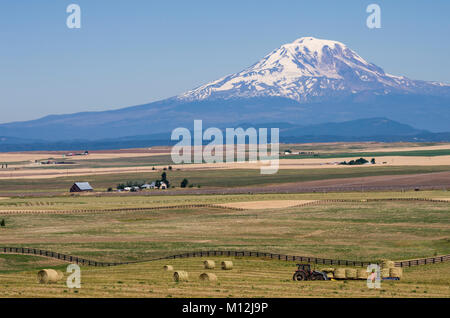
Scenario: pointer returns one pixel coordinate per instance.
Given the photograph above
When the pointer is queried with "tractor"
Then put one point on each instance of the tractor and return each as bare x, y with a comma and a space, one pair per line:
304, 272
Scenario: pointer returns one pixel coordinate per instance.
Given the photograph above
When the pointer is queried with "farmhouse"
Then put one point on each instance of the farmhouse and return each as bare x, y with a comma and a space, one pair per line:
81, 187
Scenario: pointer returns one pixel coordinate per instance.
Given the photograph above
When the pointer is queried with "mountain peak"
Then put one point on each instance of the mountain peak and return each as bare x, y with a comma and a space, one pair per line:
309, 69
314, 44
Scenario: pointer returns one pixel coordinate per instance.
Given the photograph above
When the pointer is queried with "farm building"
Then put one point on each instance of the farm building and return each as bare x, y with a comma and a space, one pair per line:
81, 187
149, 186
163, 186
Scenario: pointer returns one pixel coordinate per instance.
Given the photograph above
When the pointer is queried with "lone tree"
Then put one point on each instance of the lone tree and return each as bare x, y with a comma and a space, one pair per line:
2, 223
184, 183
164, 179
372, 161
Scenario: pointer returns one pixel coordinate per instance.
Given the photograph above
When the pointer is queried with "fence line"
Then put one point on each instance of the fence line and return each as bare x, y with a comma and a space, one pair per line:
314, 260
118, 209
212, 205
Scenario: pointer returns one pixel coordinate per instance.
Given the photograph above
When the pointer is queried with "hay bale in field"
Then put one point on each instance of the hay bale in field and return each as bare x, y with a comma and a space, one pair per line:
396, 272
208, 277
168, 268
328, 270
330, 275
350, 273
48, 276
60, 275
362, 273
385, 263
385, 272
180, 276
227, 265
339, 273
209, 264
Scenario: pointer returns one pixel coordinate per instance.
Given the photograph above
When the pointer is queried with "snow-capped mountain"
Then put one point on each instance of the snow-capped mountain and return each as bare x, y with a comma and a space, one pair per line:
306, 82
309, 69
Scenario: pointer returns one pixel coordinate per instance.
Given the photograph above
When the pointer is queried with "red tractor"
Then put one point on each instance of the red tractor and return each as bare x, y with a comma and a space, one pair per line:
304, 272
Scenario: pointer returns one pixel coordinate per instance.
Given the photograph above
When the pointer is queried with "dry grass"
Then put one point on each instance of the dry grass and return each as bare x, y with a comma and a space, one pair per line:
249, 278
93, 202
32, 156
285, 164
354, 230
269, 204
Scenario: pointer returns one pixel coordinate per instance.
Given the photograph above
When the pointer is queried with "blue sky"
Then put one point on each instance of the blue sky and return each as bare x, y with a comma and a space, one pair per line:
134, 52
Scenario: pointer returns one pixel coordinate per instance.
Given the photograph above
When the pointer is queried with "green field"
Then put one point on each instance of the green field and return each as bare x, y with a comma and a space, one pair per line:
412, 153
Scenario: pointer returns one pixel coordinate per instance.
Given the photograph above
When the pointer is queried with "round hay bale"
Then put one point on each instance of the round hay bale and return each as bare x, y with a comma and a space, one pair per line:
396, 272
339, 273
209, 264
48, 276
60, 275
168, 268
330, 275
362, 273
208, 277
227, 265
385, 272
180, 276
350, 273
328, 270
385, 263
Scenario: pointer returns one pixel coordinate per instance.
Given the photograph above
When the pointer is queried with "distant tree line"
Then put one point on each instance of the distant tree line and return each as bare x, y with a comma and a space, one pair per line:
360, 161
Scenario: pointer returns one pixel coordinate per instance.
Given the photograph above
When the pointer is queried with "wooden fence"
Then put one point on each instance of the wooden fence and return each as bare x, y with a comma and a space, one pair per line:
423, 261
284, 257
205, 205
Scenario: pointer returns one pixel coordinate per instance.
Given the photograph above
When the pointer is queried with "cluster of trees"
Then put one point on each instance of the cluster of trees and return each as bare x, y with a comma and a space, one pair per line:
163, 179
184, 183
359, 161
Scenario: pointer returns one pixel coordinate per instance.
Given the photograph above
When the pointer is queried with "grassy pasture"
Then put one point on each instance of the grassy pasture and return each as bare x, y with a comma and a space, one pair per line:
249, 278
93, 202
358, 231
212, 178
